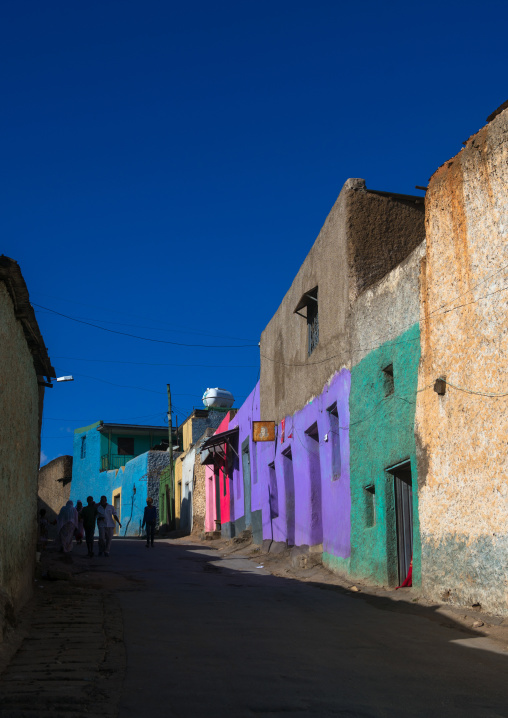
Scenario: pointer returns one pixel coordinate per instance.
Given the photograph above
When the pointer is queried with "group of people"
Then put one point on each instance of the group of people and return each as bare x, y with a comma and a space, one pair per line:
75, 521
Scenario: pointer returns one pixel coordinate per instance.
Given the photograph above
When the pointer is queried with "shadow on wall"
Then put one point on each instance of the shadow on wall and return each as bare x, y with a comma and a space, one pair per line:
185, 516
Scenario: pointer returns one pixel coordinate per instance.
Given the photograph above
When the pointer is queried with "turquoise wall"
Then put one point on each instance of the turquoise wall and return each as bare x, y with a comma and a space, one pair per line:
382, 435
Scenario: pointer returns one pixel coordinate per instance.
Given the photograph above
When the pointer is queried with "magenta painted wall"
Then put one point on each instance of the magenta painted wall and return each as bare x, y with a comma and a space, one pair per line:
211, 512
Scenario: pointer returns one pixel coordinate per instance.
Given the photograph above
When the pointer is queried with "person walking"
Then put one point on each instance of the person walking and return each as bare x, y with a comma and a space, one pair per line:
106, 517
79, 533
150, 519
67, 523
88, 516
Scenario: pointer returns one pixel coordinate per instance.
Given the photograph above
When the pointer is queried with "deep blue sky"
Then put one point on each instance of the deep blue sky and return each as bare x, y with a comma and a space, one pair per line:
166, 167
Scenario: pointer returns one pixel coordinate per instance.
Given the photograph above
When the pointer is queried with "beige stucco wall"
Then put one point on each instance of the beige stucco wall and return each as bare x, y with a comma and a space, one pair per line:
462, 436
199, 496
365, 235
178, 486
20, 401
53, 492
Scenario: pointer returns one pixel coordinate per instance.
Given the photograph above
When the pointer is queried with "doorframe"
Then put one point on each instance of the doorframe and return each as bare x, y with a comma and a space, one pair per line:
393, 470
245, 449
117, 492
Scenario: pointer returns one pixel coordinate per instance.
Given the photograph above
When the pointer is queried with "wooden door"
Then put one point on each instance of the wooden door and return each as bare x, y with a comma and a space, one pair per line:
404, 517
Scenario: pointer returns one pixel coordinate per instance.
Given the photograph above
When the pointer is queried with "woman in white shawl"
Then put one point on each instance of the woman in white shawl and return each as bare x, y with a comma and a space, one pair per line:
67, 523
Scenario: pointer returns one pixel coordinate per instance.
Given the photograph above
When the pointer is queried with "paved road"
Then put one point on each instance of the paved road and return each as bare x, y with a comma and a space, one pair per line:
210, 637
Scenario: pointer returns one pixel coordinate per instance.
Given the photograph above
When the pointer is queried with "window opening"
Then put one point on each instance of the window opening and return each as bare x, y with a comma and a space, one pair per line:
370, 506
313, 432
83, 447
125, 446
309, 302
273, 491
334, 439
389, 385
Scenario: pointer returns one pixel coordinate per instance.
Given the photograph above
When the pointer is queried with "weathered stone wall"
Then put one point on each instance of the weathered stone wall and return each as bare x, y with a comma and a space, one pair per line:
365, 236
55, 485
199, 496
20, 404
157, 462
197, 423
462, 457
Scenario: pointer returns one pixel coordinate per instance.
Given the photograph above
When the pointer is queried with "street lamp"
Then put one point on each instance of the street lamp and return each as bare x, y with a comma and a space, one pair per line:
60, 378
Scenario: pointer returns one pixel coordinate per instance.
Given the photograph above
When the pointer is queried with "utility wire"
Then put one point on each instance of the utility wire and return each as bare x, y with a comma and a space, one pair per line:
142, 363
132, 314
146, 339
157, 329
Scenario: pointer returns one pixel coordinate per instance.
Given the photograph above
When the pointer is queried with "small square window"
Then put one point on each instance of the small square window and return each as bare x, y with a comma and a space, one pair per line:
388, 382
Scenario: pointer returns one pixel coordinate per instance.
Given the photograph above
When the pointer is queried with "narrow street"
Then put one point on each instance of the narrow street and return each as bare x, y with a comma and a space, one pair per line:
211, 636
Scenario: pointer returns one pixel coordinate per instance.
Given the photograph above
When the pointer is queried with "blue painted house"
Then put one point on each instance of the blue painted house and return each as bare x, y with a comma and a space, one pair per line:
122, 462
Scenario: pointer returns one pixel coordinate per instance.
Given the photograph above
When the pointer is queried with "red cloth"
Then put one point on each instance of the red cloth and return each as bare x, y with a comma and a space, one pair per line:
408, 581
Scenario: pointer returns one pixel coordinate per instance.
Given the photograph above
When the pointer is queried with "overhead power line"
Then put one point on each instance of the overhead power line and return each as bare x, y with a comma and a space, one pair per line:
145, 339
132, 314
143, 363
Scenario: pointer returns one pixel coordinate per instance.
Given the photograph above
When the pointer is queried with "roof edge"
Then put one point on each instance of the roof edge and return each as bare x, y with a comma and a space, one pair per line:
10, 274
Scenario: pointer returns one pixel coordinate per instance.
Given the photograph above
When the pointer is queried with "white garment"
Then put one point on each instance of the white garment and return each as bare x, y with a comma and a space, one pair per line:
105, 516
67, 514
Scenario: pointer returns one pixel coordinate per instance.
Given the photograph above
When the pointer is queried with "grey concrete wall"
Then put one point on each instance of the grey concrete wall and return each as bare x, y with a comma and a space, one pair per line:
201, 423
53, 493
387, 309
20, 407
157, 462
364, 237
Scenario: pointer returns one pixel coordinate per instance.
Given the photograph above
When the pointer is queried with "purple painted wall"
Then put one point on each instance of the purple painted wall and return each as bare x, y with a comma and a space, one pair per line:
248, 412
301, 483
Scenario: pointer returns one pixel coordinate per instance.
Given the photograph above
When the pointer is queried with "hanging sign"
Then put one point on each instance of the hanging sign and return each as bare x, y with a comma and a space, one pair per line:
263, 431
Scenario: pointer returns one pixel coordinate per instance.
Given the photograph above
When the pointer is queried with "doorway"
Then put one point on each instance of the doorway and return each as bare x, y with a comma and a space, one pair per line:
216, 481
403, 488
116, 505
246, 483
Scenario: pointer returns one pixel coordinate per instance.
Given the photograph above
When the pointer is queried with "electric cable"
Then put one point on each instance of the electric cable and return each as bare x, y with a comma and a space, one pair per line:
157, 329
142, 363
146, 339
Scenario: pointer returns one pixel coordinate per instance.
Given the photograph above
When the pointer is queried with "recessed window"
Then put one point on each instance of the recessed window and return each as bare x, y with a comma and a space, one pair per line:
334, 439
313, 432
307, 308
125, 446
273, 492
370, 506
389, 385
83, 447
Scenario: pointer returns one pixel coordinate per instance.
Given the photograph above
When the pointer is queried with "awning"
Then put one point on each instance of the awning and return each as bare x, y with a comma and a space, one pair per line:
211, 447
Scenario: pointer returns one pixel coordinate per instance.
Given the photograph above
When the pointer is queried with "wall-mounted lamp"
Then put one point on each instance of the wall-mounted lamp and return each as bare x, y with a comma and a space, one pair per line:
440, 386
60, 378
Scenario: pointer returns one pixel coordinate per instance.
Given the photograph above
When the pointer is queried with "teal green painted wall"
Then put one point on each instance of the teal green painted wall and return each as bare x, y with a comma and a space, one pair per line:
142, 444
382, 435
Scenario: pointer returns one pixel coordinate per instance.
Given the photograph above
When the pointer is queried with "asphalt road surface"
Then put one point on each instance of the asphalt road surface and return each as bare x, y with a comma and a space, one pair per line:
207, 636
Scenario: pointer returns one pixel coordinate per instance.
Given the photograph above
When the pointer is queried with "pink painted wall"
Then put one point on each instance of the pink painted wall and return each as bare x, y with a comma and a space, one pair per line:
211, 513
